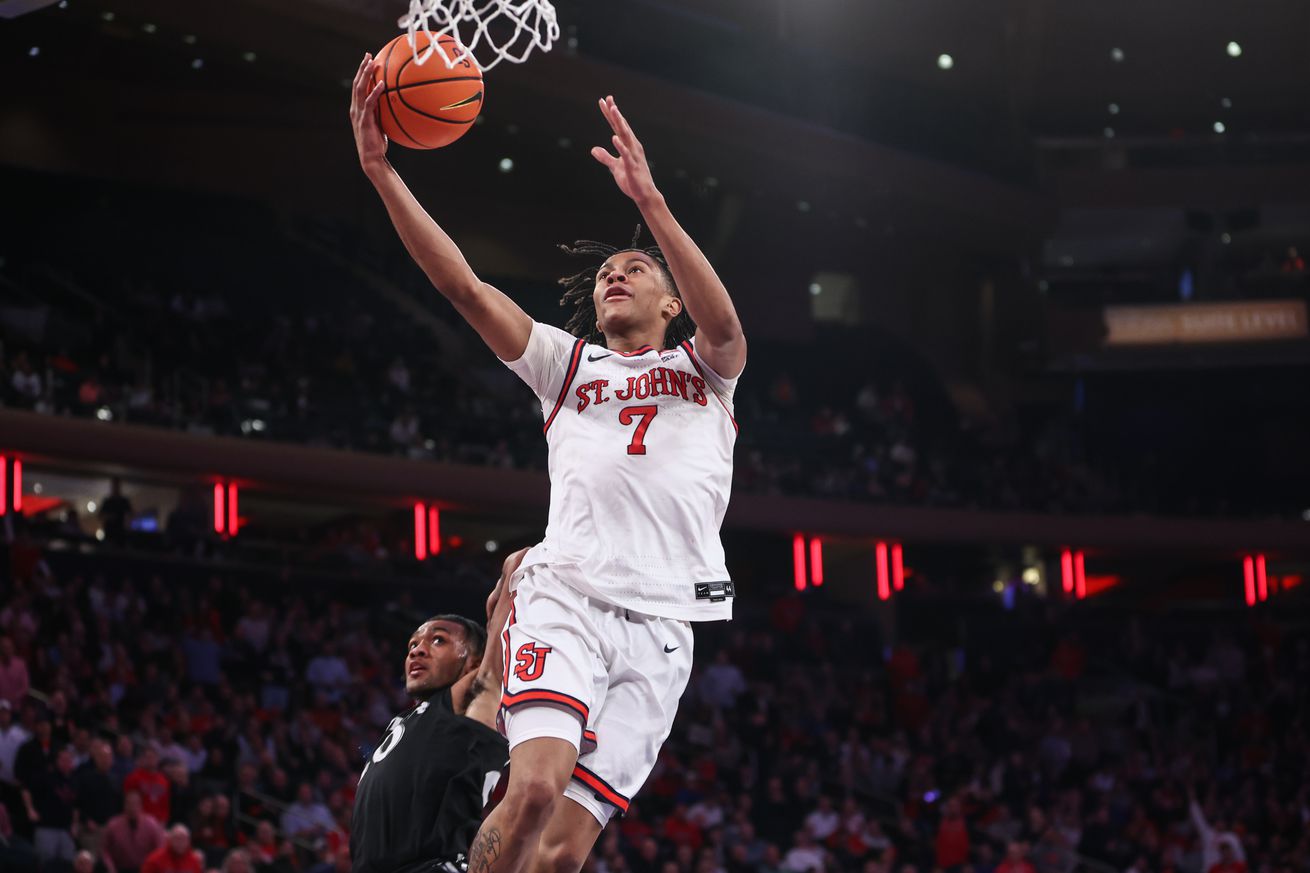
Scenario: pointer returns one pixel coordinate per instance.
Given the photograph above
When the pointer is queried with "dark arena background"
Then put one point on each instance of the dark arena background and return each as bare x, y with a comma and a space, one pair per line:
1021, 518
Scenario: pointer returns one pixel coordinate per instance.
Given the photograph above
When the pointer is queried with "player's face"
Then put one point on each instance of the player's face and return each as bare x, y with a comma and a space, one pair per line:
632, 293
438, 656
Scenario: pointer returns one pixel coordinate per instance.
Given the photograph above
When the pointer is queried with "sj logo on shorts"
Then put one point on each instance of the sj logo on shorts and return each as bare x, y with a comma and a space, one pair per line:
529, 661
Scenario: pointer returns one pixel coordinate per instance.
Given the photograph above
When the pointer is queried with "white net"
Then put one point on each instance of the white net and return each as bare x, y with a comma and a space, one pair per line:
489, 31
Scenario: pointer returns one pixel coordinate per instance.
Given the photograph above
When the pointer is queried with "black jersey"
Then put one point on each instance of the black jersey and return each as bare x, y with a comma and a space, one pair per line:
421, 794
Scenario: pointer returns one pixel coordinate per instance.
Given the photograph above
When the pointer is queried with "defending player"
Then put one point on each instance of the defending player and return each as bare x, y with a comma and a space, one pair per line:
422, 792
639, 427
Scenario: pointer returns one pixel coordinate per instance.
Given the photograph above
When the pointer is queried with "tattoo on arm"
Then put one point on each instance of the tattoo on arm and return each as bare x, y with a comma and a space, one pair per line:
485, 850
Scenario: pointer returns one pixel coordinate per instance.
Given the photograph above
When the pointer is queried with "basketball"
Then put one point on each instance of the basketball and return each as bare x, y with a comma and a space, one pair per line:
430, 105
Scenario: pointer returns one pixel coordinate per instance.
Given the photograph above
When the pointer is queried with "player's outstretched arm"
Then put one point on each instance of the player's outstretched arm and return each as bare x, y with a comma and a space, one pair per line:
483, 698
497, 319
719, 339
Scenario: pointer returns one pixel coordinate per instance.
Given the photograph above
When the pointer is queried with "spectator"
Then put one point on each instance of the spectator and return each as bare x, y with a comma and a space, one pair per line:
270, 855
130, 836
36, 758
1213, 839
181, 794
203, 657
16, 854
115, 512
237, 861
681, 831
99, 795
175, 855
805, 856
1016, 859
952, 844
14, 682
308, 819
85, 862
328, 673
151, 784
823, 821
722, 683
12, 737
54, 799
25, 381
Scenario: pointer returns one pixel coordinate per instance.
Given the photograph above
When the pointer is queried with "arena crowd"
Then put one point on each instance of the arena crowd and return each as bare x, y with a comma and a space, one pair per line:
154, 720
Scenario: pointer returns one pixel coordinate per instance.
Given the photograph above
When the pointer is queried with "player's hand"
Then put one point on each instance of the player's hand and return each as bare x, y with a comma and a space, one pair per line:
629, 167
370, 141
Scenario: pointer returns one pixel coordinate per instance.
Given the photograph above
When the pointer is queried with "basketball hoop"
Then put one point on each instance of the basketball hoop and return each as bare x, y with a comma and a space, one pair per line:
489, 31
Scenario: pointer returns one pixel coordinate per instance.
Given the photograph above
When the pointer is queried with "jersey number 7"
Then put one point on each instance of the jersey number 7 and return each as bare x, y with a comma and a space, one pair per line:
627, 415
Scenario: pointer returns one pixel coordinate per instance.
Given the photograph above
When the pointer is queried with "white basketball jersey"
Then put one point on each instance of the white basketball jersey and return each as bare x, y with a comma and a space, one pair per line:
640, 473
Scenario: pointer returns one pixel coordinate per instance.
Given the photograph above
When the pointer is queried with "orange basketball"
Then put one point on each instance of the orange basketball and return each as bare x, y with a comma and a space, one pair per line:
430, 105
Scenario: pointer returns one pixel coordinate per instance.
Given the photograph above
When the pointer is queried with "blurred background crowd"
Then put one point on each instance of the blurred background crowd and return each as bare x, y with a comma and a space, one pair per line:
147, 709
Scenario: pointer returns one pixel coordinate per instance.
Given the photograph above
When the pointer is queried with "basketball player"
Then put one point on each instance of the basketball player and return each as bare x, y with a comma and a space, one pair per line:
637, 406
421, 795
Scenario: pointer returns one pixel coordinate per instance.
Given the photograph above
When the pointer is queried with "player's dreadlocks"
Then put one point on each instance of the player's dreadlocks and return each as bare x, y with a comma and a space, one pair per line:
578, 290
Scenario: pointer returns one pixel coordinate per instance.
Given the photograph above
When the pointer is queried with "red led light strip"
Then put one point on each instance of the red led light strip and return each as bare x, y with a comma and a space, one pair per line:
884, 588
816, 562
420, 532
798, 561
220, 515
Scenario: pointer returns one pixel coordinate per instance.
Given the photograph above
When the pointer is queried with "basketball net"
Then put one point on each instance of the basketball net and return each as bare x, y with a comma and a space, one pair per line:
470, 23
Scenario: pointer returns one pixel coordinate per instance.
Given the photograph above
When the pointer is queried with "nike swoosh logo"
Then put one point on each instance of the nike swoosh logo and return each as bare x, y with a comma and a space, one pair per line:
594, 358
465, 102
667, 650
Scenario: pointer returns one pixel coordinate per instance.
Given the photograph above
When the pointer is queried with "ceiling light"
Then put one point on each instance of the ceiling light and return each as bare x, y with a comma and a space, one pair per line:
1219, 127
189, 39
564, 143
197, 63
90, 506
248, 57
104, 413
945, 62
1226, 238
34, 51
506, 164
107, 16
803, 205
711, 182
1117, 55
815, 289
1114, 108
1225, 103
1234, 50
37, 487
149, 28
492, 545
1109, 133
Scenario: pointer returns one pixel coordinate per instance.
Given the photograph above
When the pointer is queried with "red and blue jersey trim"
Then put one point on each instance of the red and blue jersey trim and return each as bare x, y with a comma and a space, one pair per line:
691, 356
574, 359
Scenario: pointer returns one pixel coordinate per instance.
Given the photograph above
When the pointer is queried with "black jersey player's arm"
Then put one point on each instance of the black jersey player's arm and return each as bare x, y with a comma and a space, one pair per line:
719, 338
482, 699
498, 320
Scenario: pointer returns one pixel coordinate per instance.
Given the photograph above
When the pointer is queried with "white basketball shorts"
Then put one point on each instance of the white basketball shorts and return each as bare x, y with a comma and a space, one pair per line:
601, 677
